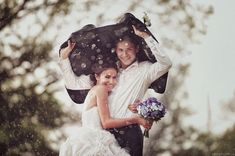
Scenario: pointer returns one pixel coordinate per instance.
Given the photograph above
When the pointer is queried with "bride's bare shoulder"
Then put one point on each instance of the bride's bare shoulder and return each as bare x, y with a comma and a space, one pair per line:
97, 89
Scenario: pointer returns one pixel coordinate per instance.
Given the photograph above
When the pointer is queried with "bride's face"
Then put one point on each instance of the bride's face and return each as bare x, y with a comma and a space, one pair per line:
108, 78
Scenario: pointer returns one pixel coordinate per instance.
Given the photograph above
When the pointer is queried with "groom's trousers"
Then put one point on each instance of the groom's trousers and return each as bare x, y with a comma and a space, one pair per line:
129, 137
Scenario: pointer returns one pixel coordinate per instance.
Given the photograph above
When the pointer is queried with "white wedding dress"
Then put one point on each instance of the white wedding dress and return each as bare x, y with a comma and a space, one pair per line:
91, 139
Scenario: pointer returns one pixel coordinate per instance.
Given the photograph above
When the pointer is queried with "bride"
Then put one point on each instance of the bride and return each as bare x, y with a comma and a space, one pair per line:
91, 139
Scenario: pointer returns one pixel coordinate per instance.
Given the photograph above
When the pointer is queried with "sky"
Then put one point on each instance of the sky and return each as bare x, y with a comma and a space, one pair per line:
211, 77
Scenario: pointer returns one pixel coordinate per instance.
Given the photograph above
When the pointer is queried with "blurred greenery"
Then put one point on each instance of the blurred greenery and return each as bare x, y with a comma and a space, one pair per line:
29, 109
225, 143
28, 79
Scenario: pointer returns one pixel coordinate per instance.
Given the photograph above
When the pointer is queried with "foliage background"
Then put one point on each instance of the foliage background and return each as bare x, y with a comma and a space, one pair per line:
32, 116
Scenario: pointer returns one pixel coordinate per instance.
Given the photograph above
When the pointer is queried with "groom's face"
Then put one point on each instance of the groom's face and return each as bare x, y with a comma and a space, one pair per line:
126, 53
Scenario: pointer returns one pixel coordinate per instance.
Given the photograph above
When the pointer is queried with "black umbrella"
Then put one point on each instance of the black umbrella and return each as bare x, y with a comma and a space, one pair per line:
95, 45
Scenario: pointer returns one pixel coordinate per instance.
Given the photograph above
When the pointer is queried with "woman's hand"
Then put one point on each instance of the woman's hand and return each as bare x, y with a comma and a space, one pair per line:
140, 33
133, 107
64, 53
145, 123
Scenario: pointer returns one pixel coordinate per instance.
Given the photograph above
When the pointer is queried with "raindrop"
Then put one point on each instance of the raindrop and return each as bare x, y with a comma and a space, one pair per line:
100, 57
100, 61
130, 126
126, 44
92, 57
83, 65
98, 50
121, 132
90, 35
78, 56
108, 45
83, 45
113, 50
93, 46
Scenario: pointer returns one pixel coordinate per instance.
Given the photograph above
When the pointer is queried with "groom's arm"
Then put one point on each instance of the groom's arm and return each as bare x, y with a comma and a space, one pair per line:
157, 73
163, 63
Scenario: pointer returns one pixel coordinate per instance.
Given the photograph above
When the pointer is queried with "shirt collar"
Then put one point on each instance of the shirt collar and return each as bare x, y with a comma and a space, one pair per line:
134, 64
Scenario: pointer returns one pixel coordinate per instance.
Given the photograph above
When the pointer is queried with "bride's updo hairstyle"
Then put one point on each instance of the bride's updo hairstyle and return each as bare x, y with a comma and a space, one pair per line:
99, 68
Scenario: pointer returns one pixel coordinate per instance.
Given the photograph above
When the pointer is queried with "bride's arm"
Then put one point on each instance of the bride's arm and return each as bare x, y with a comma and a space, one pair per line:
106, 120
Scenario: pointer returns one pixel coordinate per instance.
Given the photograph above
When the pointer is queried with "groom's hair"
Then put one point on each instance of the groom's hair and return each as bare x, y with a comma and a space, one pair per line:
133, 39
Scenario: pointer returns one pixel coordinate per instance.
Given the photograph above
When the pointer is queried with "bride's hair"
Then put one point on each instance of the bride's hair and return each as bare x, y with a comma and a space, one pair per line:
99, 68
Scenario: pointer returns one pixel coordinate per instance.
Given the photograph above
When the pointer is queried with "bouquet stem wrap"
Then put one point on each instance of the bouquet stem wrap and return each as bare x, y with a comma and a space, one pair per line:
146, 133
151, 110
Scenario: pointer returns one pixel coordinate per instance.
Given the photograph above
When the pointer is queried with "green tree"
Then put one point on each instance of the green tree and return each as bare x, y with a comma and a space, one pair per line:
229, 106
226, 142
28, 78
29, 109
205, 144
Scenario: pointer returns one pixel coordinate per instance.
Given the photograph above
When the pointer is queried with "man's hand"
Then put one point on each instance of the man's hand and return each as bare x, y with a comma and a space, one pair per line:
145, 123
64, 53
150, 124
140, 33
133, 107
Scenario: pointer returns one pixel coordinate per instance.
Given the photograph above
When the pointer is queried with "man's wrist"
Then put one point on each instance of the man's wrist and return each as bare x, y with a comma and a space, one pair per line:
63, 54
144, 35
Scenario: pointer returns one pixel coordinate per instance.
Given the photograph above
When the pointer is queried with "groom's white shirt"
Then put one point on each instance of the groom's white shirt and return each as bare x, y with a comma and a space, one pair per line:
132, 84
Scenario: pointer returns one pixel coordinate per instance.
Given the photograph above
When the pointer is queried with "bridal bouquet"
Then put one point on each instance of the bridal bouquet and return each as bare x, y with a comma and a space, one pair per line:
152, 110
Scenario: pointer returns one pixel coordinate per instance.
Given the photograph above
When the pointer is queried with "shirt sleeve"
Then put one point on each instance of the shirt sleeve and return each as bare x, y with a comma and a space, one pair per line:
163, 63
71, 80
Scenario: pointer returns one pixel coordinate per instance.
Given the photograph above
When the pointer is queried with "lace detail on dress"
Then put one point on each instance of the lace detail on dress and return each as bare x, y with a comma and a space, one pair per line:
106, 145
91, 139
